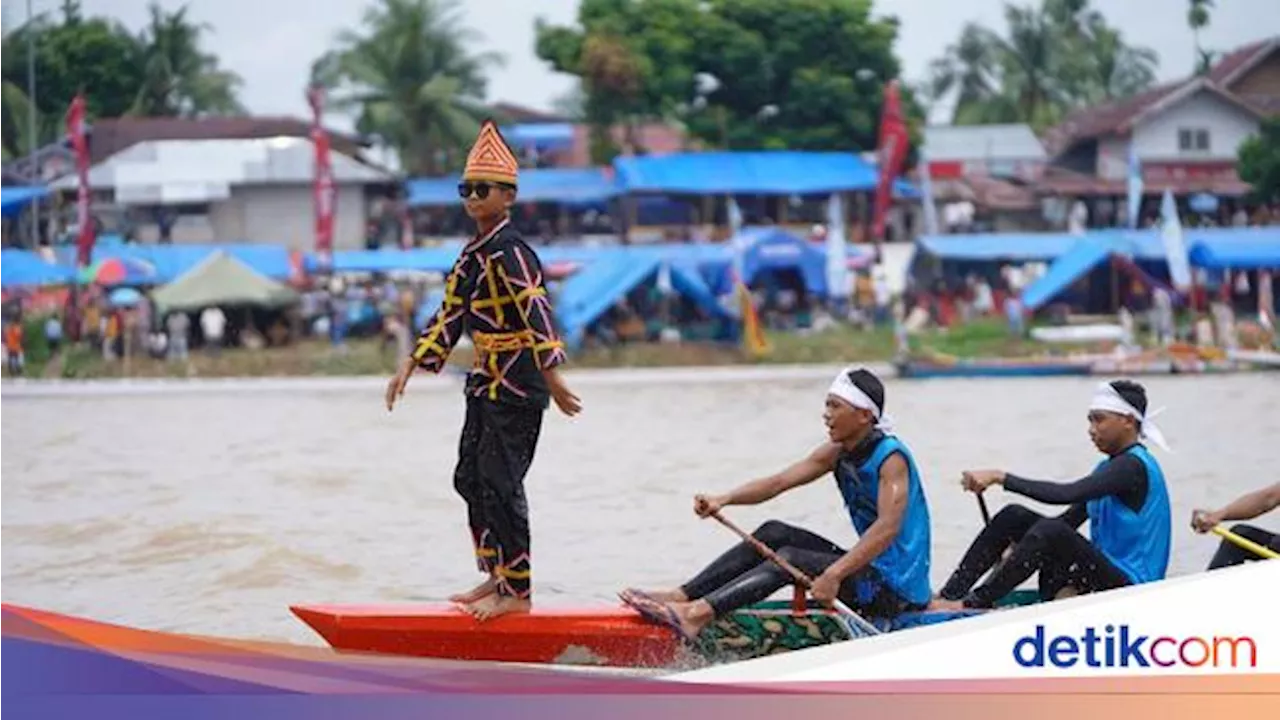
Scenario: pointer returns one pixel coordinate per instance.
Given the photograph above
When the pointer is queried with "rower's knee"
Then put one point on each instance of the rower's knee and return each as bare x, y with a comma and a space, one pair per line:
773, 533
1016, 514
1046, 529
1249, 532
793, 556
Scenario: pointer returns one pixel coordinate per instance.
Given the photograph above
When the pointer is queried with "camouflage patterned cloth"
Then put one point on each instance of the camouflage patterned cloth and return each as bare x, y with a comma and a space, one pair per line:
772, 627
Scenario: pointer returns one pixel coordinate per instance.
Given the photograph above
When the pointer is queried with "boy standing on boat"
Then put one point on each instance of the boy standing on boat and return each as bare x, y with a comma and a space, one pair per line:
1246, 507
1124, 499
886, 573
496, 293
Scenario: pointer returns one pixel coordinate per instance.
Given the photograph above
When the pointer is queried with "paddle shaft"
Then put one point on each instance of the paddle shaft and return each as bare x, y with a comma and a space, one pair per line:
982, 506
795, 572
1245, 543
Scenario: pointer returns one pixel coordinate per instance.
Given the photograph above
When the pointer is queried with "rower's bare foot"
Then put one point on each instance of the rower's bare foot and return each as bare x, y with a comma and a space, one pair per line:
694, 616
944, 604
484, 589
662, 595
492, 606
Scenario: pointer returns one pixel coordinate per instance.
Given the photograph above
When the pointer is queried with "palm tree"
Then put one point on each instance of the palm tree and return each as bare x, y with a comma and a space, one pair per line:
1121, 70
1198, 19
1053, 58
1027, 60
14, 104
970, 69
179, 79
411, 78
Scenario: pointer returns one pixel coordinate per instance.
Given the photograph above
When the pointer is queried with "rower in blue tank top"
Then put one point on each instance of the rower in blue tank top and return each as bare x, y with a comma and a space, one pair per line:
885, 574
1125, 499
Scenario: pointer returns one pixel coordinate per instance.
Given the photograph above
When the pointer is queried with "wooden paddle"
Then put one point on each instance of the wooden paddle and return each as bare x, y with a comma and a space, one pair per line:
796, 573
1245, 543
982, 507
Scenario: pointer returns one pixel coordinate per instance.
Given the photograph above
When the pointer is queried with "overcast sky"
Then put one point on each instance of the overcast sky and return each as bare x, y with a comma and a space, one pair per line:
271, 43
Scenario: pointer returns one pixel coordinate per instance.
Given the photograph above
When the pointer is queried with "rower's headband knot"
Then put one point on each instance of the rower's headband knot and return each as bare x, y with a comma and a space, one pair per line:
1108, 399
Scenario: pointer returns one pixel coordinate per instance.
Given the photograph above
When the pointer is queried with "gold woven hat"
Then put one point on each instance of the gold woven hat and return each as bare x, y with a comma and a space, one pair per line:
490, 159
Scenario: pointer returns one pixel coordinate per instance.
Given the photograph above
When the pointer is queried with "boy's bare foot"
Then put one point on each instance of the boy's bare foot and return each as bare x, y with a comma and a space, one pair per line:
486, 588
495, 605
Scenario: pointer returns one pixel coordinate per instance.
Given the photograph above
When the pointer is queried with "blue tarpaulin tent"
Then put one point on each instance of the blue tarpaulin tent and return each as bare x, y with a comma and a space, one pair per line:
549, 185
1016, 247
590, 292
14, 198
1247, 254
772, 249
1084, 256
1145, 245
593, 290
437, 259
23, 268
171, 261
759, 173
545, 136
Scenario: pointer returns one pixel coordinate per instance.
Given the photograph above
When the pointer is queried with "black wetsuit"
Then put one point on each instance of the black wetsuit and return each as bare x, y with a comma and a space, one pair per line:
1048, 545
1229, 553
741, 576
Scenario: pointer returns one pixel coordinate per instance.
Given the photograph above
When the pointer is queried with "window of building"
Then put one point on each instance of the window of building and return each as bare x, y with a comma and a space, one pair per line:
1193, 139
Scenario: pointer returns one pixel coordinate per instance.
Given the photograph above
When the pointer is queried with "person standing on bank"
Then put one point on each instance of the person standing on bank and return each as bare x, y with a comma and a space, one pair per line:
495, 292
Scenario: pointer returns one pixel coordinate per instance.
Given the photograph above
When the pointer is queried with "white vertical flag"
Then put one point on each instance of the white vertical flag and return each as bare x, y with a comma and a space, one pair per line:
837, 254
1135, 186
1175, 248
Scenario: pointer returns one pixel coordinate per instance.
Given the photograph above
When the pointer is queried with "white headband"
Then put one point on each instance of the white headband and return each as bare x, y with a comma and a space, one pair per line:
843, 388
1106, 398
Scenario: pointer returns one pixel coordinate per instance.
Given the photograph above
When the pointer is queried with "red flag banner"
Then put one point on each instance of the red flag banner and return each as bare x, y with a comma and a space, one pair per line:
325, 189
892, 153
79, 144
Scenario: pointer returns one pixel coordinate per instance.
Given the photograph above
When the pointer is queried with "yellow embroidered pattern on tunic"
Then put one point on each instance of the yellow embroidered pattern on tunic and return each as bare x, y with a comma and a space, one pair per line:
496, 293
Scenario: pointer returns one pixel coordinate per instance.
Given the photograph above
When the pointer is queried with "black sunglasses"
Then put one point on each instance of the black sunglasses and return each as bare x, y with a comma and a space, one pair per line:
481, 189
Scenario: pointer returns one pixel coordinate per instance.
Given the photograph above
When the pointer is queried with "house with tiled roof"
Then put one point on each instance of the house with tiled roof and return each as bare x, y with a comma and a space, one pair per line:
1185, 134
994, 167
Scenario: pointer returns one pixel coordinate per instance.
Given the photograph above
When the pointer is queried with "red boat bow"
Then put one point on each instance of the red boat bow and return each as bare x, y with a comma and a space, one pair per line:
616, 637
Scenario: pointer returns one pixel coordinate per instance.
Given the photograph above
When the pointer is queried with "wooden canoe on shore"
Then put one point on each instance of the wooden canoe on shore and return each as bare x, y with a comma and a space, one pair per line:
605, 637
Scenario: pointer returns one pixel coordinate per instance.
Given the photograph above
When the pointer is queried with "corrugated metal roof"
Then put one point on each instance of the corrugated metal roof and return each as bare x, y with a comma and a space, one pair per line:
108, 136
175, 171
982, 142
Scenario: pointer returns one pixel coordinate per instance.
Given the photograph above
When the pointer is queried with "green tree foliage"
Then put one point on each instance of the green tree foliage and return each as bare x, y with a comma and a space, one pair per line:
94, 55
799, 74
178, 78
412, 81
161, 71
1051, 59
14, 104
1259, 162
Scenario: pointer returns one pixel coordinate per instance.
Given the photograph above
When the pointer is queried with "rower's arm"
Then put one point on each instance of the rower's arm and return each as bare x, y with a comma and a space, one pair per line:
890, 509
815, 465
1124, 476
1248, 507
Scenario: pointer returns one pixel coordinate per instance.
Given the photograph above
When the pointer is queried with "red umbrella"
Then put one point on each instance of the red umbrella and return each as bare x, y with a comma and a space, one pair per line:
114, 271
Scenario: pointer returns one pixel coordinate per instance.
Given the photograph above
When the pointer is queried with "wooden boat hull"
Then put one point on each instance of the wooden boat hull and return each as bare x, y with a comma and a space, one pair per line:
608, 637
615, 637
